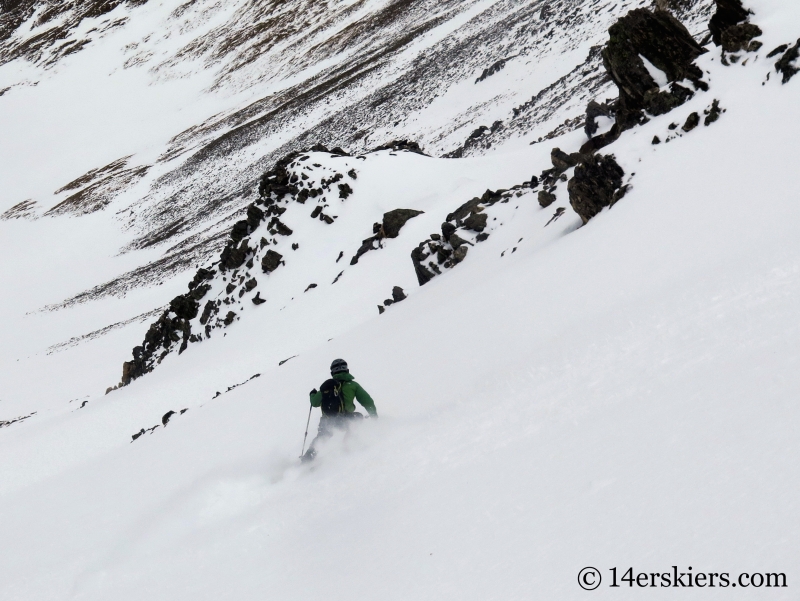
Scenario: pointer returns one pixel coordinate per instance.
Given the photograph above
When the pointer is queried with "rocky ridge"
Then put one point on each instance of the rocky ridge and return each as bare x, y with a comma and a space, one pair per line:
188, 210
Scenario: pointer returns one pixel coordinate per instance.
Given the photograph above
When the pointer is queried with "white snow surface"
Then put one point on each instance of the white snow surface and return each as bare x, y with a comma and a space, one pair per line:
622, 394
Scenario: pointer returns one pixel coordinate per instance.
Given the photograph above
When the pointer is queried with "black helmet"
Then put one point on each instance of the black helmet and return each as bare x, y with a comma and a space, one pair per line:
338, 366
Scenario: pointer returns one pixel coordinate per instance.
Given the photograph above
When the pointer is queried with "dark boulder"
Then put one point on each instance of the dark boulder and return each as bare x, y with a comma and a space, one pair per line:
448, 229
418, 255
393, 221
780, 49
729, 13
476, 222
199, 292
740, 38
184, 307
457, 241
209, 310
398, 294
229, 318
546, 198
240, 230
276, 226
563, 161
597, 184
233, 257
366, 245
460, 253
257, 300
344, 191
390, 227
271, 261
692, 121
254, 216
788, 64
713, 113
201, 276
658, 102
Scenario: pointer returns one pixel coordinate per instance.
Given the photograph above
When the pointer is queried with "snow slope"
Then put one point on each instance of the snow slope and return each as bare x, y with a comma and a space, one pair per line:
618, 394
201, 98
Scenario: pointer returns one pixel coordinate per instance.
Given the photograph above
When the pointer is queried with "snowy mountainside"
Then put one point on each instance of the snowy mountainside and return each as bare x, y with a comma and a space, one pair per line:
228, 91
593, 360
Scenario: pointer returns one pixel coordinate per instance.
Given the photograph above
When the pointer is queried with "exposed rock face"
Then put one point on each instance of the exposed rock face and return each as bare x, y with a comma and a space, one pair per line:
173, 330
692, 121
184, 307
476, 222
713, 113
398, 295
739, 38
271, 261
563, 161
593, 111
597, 184
788, 64
393, 221
24, 210
729, 13
546, 199
390, 227
663, 41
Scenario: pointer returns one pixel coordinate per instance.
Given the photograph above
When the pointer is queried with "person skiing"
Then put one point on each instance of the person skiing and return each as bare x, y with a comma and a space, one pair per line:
335, 397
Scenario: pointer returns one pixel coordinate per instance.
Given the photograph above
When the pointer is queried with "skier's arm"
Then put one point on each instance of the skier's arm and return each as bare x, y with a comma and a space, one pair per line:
316, 398
366, 401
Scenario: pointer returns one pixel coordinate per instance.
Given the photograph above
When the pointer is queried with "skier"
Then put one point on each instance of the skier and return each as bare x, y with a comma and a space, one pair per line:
335, 398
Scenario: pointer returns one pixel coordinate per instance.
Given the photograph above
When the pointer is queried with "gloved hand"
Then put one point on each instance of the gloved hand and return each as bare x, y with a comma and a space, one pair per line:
313, 391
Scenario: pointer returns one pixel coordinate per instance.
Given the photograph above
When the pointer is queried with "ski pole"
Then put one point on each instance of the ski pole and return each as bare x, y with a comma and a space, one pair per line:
306, 436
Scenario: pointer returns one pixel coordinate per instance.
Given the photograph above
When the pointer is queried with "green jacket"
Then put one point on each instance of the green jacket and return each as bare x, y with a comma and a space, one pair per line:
350, 390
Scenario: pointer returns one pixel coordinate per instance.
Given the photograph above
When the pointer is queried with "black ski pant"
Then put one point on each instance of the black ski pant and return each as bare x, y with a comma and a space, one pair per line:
329, 424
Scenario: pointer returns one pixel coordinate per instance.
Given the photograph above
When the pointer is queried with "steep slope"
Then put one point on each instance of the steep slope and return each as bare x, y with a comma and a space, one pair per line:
208, 97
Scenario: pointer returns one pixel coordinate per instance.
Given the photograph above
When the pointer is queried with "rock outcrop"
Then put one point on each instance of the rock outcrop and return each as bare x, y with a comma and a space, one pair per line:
597, 184
739, 38
731, 29
390, 227
729, 13
667, 45
662, 40
789, 65
458, 234
179, 325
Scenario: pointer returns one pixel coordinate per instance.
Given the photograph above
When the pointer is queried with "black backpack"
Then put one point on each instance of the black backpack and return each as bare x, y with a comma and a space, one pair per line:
332, 398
